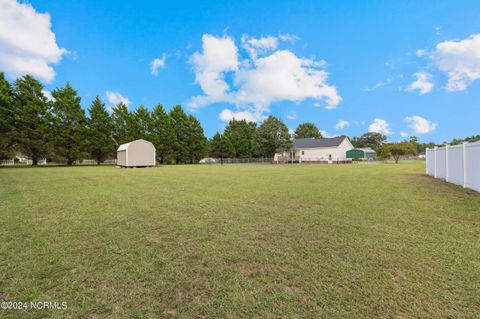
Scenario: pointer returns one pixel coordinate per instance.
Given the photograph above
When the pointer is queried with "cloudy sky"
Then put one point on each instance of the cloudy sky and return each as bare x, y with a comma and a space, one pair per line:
397, 67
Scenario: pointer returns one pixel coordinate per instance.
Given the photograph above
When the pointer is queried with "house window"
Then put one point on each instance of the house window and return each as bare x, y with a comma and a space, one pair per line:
303, 152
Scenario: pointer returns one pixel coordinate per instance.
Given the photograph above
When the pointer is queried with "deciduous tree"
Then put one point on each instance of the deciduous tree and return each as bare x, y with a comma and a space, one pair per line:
271, 137
307, 130
396, 150
240, 134
371, 139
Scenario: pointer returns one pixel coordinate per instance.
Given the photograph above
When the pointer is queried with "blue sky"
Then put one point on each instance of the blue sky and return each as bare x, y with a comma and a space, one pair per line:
398, 67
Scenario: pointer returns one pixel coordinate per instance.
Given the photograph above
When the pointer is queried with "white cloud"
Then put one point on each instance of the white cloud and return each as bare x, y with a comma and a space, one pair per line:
27, 43
158, 63
341, 124
283, 76
403, 134
380, 84
259, 46
48, 95
380, 126
420, 125
292, 115
287, 37
258, 81
460, 60
420, 52
114, 98
226, 115
326, 134
219, 56
423, 83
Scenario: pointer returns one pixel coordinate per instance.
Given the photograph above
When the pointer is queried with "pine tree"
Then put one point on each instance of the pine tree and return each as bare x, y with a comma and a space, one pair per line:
100, 130
141, 123
162, 134
240, 134
32, 119
70, 124
198, 141
272, 137
7, 118
220, 147
121, 124
181, 130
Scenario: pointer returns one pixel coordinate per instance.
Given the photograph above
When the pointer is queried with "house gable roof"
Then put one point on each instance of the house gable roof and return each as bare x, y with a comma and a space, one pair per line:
318, 142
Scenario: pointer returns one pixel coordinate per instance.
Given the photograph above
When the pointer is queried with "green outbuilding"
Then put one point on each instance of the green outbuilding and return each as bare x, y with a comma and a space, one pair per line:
361, 153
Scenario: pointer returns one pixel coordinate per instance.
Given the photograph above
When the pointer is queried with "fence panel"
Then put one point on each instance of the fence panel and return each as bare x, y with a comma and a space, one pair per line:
472, 152
7, 162
459, 164
89, 162
244, 160
455, 164
440, 163
430, 153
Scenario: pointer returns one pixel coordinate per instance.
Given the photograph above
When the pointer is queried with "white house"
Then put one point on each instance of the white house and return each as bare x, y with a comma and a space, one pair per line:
139, 153
317, 150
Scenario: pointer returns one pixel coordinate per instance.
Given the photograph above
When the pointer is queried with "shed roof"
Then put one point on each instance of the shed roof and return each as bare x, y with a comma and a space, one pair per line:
318, 142
364, 149
125, 146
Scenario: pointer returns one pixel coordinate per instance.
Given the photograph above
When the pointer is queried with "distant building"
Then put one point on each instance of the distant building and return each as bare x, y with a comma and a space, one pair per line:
317, 150
139, 153
365, 153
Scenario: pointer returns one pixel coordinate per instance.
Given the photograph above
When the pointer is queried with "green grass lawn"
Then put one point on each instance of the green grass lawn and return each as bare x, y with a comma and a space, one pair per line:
346, 241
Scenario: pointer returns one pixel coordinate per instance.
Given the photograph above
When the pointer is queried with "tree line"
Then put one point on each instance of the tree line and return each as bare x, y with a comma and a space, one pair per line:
60, 130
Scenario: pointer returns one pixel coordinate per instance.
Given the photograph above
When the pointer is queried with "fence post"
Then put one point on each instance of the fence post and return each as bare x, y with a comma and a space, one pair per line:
435, 161
426, 160
465, 164
446, 162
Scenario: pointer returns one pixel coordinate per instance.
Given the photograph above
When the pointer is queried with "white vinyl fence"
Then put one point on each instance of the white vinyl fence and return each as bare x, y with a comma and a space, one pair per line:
23, 161
459, 164
94, 162
244, 160
7, 162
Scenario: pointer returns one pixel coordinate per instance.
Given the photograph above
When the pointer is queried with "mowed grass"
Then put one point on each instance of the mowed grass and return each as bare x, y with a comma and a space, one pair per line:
346, 241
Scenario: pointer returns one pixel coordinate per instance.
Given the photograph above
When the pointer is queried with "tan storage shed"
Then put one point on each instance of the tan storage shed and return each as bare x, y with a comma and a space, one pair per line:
139, 153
